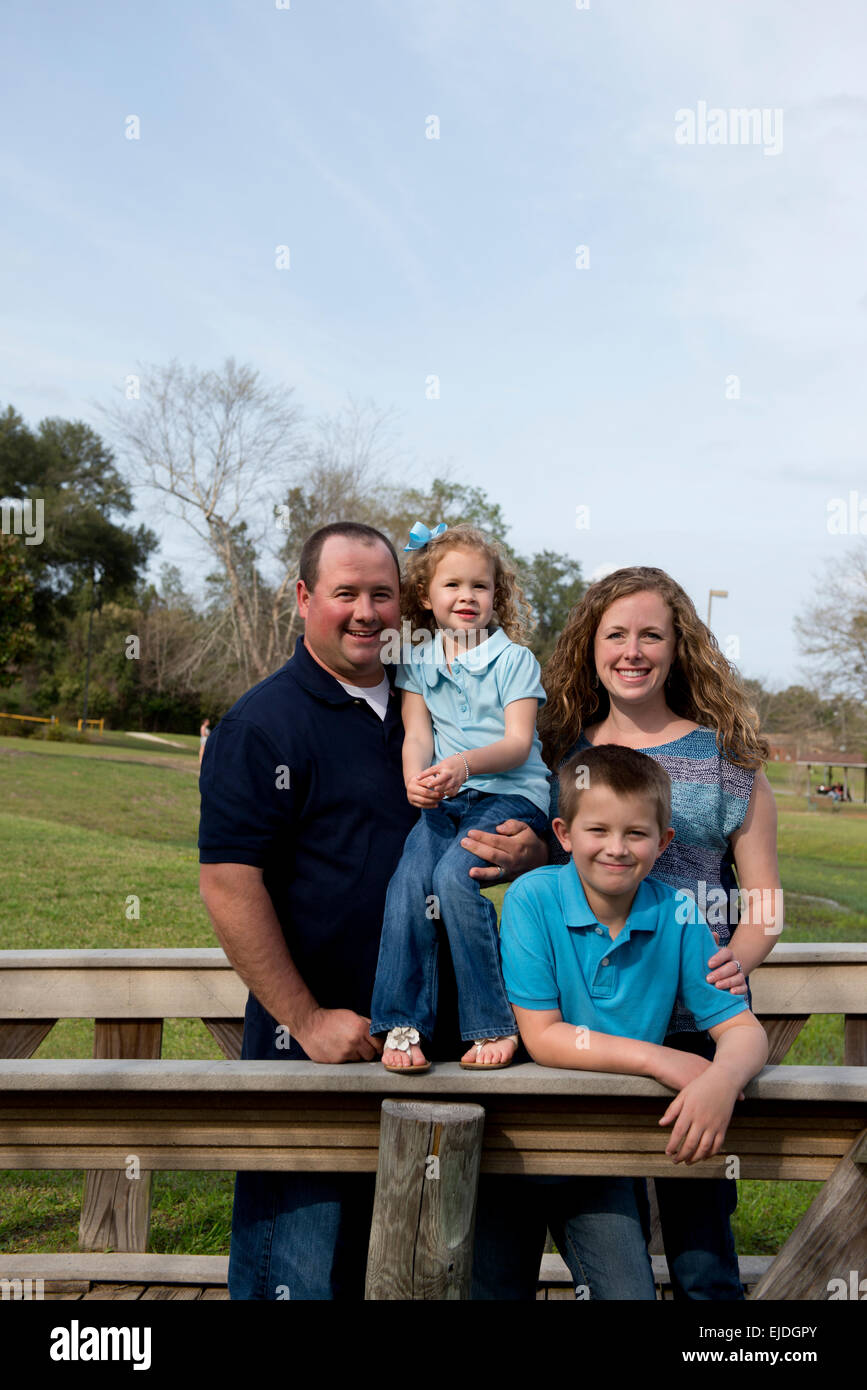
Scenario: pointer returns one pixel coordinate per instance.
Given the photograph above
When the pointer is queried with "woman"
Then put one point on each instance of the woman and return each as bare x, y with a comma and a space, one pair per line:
636, 666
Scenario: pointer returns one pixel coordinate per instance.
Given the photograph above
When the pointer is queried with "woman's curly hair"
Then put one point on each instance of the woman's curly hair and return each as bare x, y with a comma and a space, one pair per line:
702, 684
511, 609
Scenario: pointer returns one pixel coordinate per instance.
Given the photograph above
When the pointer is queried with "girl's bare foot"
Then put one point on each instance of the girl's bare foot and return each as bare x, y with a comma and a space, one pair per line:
494, 1052
402, 1048
392, 1057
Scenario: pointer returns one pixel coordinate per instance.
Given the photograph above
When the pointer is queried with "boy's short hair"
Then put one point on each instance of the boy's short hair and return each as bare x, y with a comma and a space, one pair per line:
626, 771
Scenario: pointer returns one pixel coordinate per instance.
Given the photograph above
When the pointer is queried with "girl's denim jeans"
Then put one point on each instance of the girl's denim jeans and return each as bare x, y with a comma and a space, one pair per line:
431, 889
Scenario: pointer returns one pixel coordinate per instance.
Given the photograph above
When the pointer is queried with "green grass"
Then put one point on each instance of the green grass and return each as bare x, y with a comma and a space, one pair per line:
85, 826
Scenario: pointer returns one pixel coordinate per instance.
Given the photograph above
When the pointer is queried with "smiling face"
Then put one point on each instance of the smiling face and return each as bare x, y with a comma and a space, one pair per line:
356, 596
461, 592
634, 648
614, 841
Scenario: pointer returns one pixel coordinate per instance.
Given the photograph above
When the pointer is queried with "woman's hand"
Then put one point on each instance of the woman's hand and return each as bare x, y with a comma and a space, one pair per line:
726, 970
449, 776
512, 851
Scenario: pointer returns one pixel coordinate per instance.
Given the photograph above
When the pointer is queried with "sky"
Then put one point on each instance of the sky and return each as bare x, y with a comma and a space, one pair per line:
687, 391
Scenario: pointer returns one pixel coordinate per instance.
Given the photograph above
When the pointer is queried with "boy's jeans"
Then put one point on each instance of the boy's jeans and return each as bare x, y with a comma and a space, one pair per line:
695, 1217
430, 887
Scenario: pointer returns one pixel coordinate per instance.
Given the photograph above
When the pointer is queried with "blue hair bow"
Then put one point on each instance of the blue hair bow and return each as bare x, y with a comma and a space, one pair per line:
420, 535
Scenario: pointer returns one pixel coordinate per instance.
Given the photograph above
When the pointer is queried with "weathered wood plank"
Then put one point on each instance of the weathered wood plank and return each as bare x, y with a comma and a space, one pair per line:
782, 1029
228, 1033
186, 1292
118, 1268
114, 1292
116, 1207
22, 1039
134, 992
421, 1235
822, 977
828, 1243
855, 1040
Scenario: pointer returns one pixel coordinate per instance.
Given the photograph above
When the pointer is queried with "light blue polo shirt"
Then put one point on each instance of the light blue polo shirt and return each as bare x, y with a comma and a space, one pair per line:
557, 956
467, 705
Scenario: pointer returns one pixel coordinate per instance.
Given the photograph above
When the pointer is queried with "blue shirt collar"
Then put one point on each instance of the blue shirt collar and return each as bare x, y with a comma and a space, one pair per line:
577, 912
430, 659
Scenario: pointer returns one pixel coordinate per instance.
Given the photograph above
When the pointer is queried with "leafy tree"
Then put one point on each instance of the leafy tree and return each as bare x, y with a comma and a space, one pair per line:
65, 464
17, 632
553, 585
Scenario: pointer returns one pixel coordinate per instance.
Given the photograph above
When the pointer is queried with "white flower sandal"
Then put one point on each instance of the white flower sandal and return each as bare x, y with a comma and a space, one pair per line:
402, 1039
479, 1043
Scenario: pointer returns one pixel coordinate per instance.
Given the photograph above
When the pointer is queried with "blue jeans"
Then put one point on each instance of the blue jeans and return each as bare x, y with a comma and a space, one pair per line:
304, 1236
695, 1220
432, 884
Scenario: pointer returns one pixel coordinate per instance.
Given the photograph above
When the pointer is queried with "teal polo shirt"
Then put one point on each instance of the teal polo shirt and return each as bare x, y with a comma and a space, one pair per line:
467, 706
557, 956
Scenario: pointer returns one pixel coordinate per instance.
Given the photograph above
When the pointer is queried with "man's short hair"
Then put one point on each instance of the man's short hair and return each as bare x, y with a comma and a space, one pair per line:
626, 771
308, 565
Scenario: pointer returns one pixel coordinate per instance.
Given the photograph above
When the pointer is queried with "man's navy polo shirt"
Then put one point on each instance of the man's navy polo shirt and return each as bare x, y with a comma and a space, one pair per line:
330, 840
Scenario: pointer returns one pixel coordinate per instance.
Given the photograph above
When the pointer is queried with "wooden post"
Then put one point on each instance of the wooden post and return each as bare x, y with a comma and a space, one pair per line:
116, 1207
421, 1236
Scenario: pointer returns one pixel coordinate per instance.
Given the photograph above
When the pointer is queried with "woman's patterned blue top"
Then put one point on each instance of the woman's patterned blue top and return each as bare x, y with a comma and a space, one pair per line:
709, 798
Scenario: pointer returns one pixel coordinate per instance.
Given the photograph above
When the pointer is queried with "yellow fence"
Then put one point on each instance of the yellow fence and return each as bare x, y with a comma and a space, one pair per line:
42, 719
31, 718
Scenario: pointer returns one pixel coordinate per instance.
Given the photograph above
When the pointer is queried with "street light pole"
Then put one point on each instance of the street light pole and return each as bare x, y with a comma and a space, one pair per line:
712, 594
89, 638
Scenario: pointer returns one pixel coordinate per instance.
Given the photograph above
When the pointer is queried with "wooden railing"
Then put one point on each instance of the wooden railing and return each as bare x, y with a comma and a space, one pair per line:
126, 1103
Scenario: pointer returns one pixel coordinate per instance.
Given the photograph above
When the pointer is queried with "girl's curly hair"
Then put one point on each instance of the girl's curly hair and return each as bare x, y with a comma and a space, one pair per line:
511, 609
702, 684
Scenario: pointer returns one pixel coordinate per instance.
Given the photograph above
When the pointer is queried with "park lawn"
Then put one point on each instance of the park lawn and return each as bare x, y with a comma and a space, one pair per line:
87, 828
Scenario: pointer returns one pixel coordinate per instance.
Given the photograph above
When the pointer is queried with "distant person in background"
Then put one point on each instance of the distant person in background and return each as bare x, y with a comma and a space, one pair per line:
204, 730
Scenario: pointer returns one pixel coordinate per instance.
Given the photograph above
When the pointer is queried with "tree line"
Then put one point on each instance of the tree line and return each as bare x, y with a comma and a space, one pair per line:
233, 462
238, 467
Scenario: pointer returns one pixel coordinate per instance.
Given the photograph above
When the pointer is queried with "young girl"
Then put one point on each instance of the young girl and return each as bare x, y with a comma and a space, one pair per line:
469, 707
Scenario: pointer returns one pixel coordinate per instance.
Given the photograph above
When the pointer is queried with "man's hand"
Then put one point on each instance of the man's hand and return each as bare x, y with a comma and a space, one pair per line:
338, 1035
702, 1112
514, 849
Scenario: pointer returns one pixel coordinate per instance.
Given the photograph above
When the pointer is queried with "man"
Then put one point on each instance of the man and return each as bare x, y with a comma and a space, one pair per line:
304, 815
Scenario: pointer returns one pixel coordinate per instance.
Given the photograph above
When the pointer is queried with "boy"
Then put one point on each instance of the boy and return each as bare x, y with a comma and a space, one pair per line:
594, 953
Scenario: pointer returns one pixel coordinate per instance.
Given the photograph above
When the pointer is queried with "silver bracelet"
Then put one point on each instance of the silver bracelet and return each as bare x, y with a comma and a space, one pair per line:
466, 765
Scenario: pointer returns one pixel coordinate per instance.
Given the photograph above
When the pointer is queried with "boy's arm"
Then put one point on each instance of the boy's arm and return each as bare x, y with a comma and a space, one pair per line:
703, 1109
510, 751
553, 1043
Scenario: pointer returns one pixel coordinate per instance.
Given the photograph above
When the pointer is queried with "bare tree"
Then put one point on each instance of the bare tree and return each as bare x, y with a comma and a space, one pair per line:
217, 445
833, 629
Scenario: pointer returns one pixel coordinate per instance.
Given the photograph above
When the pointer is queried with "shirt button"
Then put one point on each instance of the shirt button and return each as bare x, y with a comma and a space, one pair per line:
606, 961
598, 931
